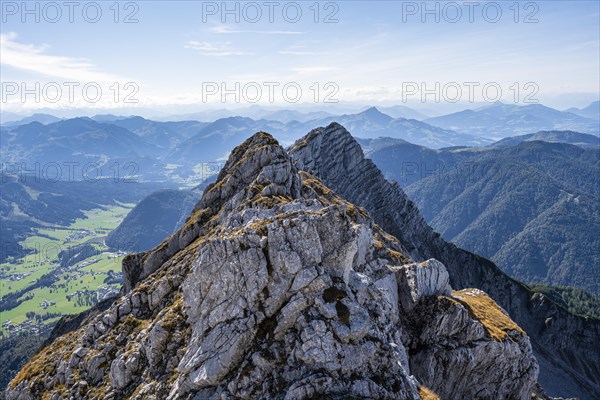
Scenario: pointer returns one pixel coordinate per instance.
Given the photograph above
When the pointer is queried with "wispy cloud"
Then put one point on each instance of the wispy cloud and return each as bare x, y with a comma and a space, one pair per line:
36, 59
216, 49
300, 53
227, 29
312, 70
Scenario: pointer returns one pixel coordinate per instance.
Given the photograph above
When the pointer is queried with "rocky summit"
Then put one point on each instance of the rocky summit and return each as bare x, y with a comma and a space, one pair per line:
277, 288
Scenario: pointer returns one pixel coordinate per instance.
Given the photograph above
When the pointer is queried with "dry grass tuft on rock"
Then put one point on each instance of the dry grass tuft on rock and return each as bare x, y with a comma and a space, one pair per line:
427, 394
495, 321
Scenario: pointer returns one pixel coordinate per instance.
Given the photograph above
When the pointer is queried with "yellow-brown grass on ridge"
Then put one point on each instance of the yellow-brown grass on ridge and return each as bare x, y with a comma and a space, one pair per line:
314, 184
328, 197
384, 243
427, 394
45, 361
486, 311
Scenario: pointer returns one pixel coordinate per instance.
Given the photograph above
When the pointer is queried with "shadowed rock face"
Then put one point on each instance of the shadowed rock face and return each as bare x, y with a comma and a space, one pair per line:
277, 288
155, 217
566, 345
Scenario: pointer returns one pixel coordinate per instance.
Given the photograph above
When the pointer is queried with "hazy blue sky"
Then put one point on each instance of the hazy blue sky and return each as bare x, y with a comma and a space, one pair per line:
374, 50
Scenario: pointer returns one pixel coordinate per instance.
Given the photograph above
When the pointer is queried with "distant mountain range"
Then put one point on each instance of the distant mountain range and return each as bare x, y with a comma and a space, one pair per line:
371, 145
38, 117
253, 112
499, 120
163, 135
372, 123
130, 148
82, 138
218, 138
182, 150
179, 150
592, 111
570, 137
402, 112
530, 206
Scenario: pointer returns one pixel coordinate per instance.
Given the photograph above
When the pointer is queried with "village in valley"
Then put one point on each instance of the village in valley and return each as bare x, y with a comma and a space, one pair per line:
65, 270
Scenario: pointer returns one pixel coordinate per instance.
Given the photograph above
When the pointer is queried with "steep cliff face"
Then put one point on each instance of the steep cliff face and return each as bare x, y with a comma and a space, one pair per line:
277, 288
565, 345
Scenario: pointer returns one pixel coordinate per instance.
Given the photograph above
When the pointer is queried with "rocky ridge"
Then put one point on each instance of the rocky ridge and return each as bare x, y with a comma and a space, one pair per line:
277, 288
565, 345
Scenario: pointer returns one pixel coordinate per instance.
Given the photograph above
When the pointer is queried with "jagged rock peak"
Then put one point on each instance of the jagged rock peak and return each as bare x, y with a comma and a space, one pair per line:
276, 288
321, 144
336, 158
259, 160
258, 172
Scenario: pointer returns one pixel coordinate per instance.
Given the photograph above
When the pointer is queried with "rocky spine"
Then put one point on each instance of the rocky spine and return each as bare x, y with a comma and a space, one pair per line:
277, 288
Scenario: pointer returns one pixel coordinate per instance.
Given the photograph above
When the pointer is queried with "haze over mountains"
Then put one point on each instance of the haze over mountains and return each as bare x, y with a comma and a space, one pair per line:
168, 150
575, 138
37, 117
501, 120
154, 150
592, 111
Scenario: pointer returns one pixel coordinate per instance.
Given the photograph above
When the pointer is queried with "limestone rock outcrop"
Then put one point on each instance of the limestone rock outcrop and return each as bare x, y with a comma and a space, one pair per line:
277, 288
